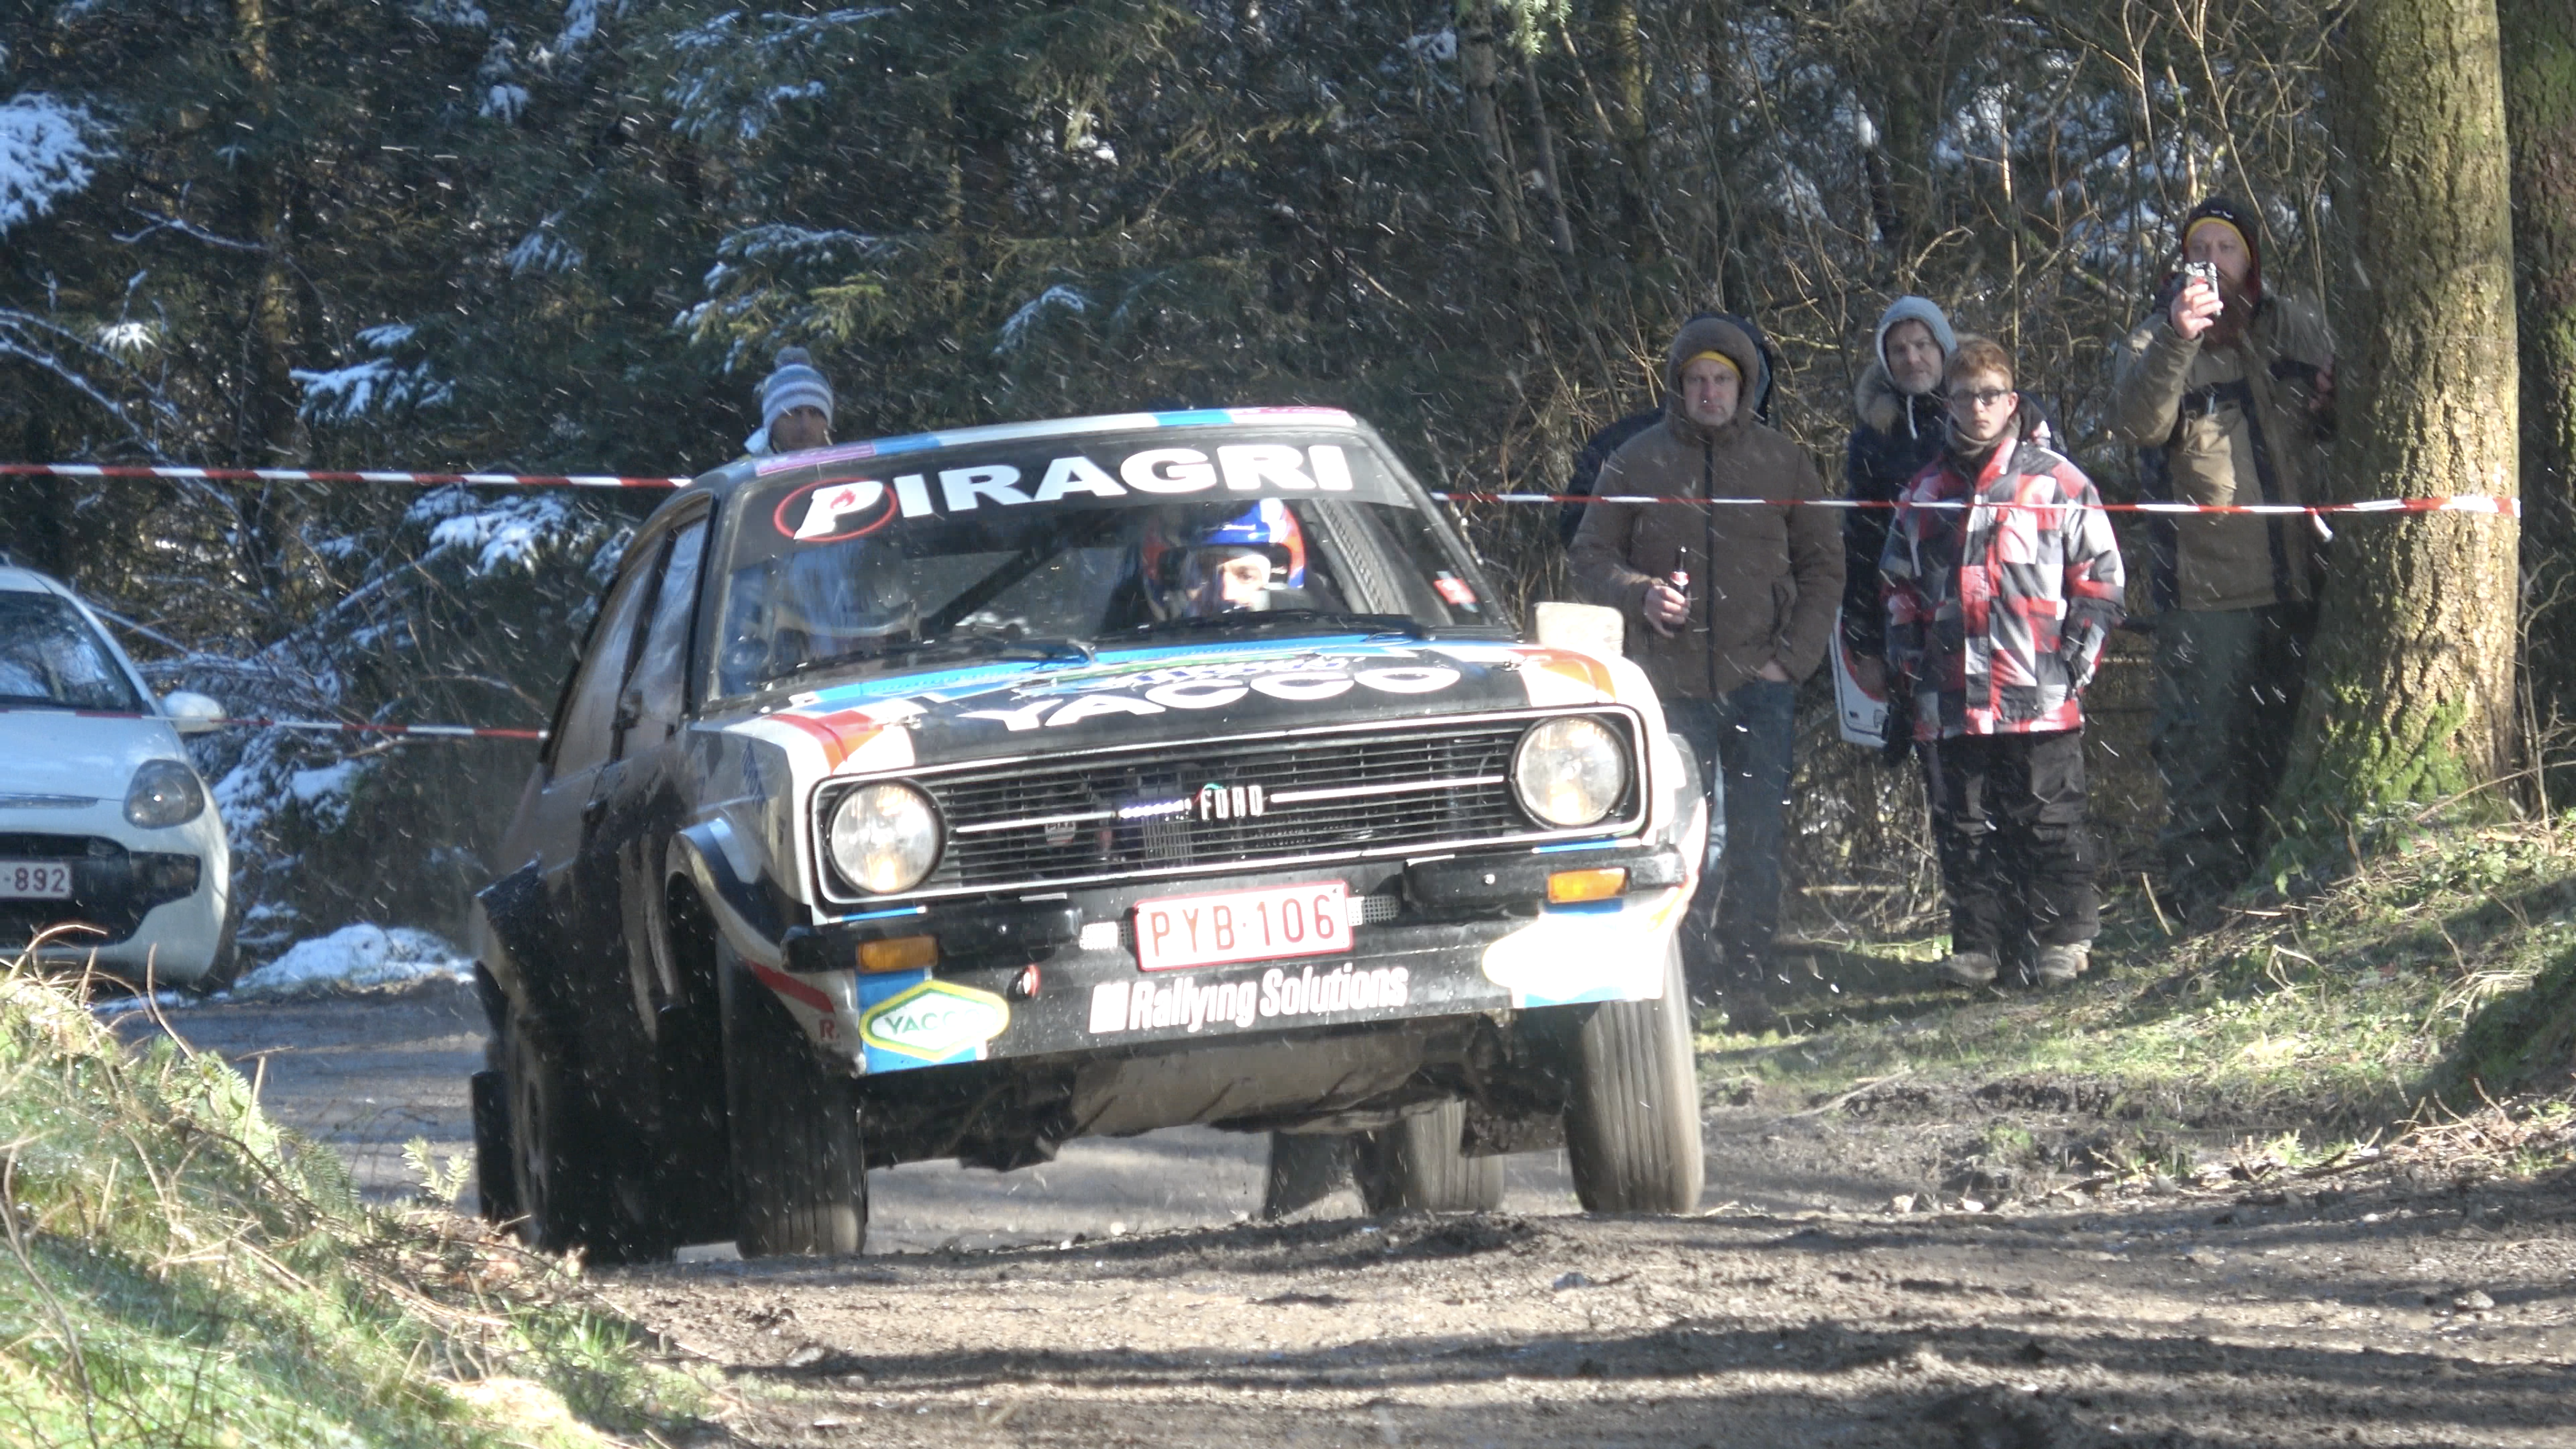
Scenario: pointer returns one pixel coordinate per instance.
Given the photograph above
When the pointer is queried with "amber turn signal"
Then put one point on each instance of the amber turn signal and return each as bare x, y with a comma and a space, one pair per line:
899, 953
1572, 887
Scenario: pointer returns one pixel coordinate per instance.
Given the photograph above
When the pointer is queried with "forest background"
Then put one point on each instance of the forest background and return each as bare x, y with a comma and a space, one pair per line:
568, 236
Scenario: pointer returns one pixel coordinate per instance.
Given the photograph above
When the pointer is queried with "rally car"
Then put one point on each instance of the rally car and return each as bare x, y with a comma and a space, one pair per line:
958, 795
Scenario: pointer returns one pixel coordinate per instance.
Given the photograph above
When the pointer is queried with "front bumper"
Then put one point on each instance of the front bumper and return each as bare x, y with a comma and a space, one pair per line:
1058, 973
154, 898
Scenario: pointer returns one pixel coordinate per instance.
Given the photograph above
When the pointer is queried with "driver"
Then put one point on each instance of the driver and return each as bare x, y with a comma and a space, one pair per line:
1193, 571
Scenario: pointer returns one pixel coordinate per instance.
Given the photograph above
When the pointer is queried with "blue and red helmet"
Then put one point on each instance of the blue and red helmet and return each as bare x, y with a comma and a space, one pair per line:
1180, 563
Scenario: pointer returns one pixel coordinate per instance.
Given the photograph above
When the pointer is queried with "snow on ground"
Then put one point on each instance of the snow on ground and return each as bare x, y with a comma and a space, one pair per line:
356, 958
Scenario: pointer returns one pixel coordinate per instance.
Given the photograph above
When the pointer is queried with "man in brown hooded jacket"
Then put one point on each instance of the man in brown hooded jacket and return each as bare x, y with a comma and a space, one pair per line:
1728, 606
2228, 392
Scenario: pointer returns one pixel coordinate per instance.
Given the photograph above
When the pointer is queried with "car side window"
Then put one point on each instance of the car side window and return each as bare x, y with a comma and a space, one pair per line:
592, 709
656, 692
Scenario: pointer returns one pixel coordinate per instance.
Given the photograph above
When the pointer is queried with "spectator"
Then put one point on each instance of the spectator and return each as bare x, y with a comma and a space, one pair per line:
1598, 448
1725, 647
2229, 391
795, 407
1898, 433
1996, 617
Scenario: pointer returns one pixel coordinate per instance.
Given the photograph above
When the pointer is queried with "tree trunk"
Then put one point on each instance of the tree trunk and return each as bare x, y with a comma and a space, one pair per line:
1477, 70
2410, 691
2540, 121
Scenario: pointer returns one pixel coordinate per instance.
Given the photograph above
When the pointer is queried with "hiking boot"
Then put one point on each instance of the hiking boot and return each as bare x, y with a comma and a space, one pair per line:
1966, 968
2060, 965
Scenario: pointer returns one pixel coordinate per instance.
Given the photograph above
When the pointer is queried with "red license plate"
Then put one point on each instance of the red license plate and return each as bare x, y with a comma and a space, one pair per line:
1257, 925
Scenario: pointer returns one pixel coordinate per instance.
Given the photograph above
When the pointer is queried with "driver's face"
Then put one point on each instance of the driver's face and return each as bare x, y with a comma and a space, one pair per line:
1222, 580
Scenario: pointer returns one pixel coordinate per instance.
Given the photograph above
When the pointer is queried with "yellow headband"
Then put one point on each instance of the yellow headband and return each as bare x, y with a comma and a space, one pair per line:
1719, 356
2218, 221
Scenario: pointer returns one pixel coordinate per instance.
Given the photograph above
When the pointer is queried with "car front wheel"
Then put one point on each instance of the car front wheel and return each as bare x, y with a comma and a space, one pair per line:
1632, 1129
1415, 1165
800, 1182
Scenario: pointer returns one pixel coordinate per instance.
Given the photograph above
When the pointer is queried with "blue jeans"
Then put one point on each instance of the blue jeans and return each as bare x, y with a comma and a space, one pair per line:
1742, 740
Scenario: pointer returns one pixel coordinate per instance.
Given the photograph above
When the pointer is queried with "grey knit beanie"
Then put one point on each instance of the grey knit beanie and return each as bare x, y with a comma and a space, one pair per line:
1915, 309
796, 384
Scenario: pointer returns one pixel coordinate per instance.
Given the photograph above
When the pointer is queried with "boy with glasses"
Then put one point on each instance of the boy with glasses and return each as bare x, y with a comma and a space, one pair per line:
2003, 582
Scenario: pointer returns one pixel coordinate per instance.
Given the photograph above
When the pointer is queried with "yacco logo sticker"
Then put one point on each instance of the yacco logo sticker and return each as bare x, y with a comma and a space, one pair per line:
847, 508
1300, 686
935, 1020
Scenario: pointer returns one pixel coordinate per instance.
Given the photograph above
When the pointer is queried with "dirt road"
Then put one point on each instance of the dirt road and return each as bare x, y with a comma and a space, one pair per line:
1117, 1297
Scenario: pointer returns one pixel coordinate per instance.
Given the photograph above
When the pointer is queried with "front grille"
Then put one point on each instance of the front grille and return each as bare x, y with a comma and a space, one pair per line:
1126, 814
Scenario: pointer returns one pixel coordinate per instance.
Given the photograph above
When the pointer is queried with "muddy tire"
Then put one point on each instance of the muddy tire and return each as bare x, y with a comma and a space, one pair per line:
1632, 1128
1305, 1168
800, 1182
575, 1172
1415, 1166
496, 1178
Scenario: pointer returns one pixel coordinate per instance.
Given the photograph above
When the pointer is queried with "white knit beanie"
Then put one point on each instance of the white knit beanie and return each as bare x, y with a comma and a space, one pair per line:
796, 384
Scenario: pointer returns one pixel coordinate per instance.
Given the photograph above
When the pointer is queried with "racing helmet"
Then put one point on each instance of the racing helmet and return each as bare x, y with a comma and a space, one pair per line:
1192, 567
842, 598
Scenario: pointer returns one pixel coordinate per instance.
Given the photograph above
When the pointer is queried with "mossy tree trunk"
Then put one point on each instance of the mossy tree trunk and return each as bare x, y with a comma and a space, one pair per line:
2540, 120
2410, 692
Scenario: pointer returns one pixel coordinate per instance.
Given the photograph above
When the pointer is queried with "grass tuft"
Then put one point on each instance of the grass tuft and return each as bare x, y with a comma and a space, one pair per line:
175, 1270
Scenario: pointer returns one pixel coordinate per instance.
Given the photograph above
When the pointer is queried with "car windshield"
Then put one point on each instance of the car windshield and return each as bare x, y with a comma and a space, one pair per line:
51, 657
1061, 546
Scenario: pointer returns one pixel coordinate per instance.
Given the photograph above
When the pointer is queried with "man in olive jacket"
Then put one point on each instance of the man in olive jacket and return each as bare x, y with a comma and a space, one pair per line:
2229, 393
1725, 644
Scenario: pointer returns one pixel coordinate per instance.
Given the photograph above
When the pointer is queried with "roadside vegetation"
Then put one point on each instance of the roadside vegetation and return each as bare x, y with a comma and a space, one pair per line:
175, 1270
2434, 986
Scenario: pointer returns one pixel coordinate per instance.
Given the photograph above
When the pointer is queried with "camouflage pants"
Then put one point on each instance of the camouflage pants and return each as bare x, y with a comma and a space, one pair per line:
2227, 695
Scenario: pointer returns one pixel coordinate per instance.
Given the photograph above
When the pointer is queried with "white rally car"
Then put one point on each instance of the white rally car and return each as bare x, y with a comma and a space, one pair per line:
958, 795
105, 827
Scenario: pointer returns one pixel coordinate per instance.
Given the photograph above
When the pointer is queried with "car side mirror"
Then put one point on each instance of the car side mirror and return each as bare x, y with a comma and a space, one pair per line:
191, 714
1588, 627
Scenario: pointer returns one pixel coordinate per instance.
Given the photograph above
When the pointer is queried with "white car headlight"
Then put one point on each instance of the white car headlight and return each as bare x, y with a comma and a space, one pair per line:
164, 793
884, 838
1570, 772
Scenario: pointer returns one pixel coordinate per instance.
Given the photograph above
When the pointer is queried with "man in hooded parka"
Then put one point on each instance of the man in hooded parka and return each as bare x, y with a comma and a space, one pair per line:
1728, 606
1897, 432
2229, 394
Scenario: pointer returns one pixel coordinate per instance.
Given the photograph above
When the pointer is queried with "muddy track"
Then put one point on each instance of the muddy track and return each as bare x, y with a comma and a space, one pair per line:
1116, 1296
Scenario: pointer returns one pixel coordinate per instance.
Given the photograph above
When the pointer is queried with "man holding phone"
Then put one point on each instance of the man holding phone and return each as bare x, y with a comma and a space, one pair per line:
2227, 388
1728, 606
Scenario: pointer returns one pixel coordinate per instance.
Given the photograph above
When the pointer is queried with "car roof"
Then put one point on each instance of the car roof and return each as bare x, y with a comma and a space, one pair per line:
16, 580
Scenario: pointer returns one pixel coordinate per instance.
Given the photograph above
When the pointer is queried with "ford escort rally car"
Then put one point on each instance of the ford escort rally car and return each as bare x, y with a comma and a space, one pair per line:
958, 795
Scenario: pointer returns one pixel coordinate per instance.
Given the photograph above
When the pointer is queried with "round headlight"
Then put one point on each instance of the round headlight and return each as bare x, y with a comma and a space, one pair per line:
1570, 772
164, 793
884, 838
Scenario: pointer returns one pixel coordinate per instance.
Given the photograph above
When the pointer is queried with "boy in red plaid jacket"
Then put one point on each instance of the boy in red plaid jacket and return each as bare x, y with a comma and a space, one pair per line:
1998, 605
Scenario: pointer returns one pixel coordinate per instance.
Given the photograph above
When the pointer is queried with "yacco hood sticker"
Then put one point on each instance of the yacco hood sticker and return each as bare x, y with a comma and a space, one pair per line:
935, 1020
1294, 679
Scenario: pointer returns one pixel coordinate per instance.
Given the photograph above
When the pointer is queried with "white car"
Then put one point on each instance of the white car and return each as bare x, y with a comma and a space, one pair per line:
104, 823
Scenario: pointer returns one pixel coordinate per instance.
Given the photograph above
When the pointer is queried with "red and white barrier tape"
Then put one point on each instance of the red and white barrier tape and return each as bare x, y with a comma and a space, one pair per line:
323, 726
302, 475
2454, 503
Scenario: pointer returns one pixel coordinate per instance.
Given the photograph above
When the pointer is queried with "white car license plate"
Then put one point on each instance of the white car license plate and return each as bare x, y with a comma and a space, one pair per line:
1257, 925
35, 880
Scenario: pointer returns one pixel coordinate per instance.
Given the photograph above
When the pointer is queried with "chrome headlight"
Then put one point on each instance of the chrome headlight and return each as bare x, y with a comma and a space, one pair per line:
164, 793
883, 838
1570, 772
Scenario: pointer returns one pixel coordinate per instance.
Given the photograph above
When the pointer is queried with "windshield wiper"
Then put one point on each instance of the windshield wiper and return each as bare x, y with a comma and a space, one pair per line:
1307, 620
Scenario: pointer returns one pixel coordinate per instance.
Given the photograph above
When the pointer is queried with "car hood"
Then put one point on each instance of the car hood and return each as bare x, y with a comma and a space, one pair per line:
64, 753
1148, 696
